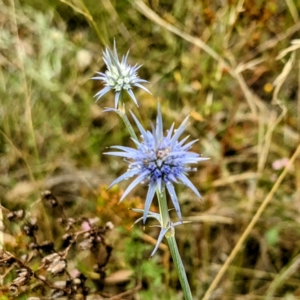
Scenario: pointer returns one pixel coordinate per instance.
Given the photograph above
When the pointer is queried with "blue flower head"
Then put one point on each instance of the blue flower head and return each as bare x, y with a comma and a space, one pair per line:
159, 160
119, 76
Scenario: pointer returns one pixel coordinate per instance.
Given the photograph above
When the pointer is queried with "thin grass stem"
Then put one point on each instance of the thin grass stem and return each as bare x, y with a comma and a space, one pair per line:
28, 113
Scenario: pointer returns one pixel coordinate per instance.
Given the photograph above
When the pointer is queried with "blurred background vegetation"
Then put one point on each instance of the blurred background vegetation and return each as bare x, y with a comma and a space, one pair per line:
232, 65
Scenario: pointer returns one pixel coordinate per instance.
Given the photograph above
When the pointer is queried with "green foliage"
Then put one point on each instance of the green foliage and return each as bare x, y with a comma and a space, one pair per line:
149, 271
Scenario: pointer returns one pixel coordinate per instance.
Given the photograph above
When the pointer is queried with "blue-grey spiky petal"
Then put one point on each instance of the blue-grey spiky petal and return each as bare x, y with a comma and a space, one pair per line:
150, 195
162, 233
133, 184
174, 199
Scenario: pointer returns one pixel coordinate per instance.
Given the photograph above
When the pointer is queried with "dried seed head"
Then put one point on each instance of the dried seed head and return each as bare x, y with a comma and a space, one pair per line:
19, 281
57, 267
109, 226
69, 223
49, 199
93, 221
80, 279
49, 259
54, 264
42, 277
22, 271
13, 288
47, 246
24, 257
30, 227
86, 244
6, 260
16, 215
33, 246
68, 239
23, 276
57, 294
60, 284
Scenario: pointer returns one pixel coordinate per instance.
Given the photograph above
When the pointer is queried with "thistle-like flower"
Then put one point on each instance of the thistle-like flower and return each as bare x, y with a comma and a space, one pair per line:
119, 76
160, 161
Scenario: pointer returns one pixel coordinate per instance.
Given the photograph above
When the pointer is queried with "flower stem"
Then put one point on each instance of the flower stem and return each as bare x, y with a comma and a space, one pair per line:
122, 113
127, 124
170, 235
163, 206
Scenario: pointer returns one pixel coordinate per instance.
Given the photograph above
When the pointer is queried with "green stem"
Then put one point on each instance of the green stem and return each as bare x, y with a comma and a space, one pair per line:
122, 113
163, 206
170, 235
